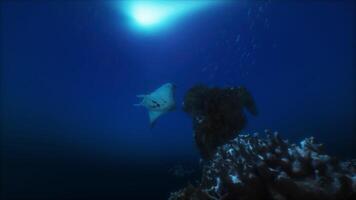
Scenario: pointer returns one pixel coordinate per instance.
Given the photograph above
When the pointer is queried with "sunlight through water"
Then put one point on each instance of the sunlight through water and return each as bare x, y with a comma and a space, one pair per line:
151, 15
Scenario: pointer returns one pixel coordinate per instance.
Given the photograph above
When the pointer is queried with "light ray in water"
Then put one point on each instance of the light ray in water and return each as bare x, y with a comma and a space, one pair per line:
153, 15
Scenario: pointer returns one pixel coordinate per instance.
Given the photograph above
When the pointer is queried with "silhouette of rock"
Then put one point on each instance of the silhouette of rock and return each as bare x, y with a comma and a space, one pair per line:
217, 114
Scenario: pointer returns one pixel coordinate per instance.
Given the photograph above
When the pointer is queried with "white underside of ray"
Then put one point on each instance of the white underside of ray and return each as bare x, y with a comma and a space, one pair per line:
158, 102
154, 115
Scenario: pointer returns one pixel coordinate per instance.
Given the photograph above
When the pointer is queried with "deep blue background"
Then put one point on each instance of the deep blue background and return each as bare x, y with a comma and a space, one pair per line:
70, 72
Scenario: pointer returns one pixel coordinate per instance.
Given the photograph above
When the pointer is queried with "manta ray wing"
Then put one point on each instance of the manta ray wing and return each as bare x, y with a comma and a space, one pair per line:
165, 92
154, 115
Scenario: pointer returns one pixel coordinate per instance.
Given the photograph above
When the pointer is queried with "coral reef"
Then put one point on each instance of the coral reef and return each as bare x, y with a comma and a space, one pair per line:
217, 115
251, 167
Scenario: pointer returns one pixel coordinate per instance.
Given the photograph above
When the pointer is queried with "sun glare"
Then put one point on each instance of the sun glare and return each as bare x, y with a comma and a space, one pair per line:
148, 14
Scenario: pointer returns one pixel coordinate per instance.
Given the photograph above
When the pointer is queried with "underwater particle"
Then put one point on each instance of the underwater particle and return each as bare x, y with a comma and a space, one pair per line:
260, 8
256, 171
158, 102
237, 39
249, 12
218, 114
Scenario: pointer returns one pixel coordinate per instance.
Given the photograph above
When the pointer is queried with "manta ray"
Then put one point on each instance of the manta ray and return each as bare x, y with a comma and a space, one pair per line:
158, 102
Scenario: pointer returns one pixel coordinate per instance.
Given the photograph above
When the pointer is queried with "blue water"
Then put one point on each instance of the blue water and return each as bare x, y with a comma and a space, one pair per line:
70, 72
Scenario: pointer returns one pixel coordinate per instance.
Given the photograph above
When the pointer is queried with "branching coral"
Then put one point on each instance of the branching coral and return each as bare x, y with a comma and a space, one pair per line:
217, 114
250, 167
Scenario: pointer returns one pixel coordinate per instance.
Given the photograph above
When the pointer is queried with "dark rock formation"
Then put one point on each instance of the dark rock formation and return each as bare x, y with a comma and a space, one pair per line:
217, 114
250, 167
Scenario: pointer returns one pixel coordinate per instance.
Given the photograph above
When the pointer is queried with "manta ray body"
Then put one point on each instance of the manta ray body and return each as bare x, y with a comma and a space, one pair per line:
158, 102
